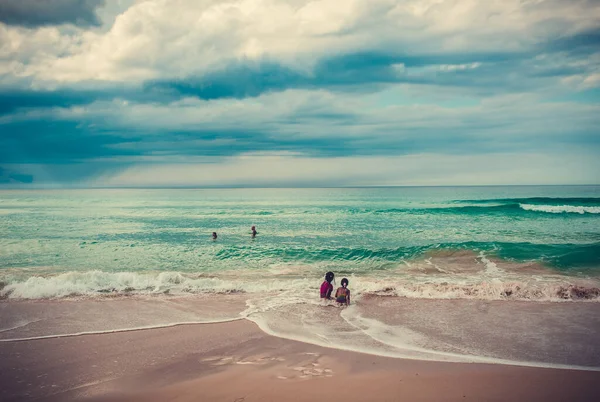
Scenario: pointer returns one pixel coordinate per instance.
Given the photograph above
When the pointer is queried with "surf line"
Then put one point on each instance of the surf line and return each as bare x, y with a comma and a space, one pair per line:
19, 326
268, 331
116, 331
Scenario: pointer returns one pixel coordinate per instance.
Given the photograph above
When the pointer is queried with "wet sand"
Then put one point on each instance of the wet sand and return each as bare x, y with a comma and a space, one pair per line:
236, 361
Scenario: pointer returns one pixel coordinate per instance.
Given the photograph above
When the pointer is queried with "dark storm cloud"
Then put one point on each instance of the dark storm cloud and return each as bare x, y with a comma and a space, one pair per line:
62, 141
51, 141
12, 100
34, 13
22, 99
483, 72
586, 42
352, 72
238, 80
8, 176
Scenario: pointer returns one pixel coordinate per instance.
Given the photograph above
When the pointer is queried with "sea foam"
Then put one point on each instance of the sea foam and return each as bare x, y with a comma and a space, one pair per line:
490, 284
559, 209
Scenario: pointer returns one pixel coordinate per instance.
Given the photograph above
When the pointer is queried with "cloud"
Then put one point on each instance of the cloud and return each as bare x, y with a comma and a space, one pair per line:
243, 48
362, 72
47, 141
15, 99
33, 13
320, 114
314, 123
10, 177
420, 169
481, 71
290, 170
194, 82
181, 38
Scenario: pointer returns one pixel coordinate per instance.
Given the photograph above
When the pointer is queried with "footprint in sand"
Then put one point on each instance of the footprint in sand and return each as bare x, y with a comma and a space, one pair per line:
212, 359
221, 360
218, 360
310, 372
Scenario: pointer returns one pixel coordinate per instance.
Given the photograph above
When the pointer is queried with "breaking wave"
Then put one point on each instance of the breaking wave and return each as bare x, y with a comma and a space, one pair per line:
585, 201
559, 209
481, 286
508, 206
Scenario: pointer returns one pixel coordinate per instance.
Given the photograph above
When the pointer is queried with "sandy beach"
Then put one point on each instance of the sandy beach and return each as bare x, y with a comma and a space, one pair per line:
236, 361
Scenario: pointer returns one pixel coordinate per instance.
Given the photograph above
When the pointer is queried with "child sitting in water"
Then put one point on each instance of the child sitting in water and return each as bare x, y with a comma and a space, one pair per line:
342, 295
326, 286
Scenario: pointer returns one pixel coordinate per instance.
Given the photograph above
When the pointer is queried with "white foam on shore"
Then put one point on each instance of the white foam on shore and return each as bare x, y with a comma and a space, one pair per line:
98, 283
491, 268
303, 325
21, 324
113, 331
559, 209
365, 335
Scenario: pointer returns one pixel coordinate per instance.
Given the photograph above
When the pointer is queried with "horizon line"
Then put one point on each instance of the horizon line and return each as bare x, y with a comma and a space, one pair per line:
241, 187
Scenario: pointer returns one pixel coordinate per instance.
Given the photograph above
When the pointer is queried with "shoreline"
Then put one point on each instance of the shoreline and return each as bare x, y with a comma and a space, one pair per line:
228, 361
521, 334
116, 331
475, 359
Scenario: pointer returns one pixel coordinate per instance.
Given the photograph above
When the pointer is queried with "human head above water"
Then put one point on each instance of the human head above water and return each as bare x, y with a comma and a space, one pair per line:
344, 282
329, 276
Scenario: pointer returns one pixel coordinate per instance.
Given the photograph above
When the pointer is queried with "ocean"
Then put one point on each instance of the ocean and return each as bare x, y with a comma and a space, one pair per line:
439, 250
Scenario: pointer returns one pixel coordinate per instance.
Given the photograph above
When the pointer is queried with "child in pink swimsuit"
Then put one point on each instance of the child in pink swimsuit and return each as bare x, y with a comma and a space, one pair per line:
326, 286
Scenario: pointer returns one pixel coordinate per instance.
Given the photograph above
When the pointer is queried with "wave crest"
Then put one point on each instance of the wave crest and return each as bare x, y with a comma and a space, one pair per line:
559, 209
586, 201
98, 283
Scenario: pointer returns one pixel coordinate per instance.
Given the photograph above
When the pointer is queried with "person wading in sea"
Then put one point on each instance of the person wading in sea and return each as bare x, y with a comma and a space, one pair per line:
326, 286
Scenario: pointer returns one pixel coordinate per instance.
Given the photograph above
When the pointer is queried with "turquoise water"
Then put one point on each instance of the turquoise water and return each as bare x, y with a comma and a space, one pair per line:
302, 232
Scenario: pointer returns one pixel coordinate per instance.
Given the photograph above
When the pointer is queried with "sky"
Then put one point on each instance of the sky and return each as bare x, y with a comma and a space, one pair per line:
171, 93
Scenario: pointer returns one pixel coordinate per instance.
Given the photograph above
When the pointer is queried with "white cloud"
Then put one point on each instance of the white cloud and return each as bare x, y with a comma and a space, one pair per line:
422, 169
592, 81
22, 49
174, 38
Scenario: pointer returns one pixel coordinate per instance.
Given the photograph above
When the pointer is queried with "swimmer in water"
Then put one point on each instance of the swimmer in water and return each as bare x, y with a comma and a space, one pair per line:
326, 286
254, 232
342, 295
214, 235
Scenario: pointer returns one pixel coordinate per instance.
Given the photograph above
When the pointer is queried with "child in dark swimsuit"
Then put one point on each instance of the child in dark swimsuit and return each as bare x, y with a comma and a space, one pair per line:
326, 286
342, 295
